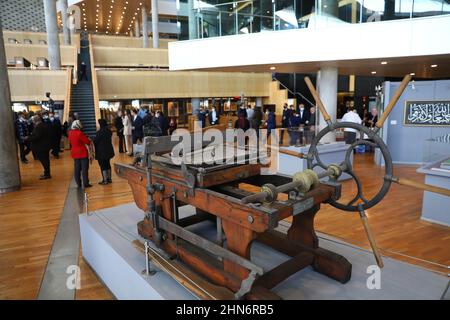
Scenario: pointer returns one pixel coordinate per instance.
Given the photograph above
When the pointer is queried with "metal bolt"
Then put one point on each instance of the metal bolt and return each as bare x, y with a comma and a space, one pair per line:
250, 219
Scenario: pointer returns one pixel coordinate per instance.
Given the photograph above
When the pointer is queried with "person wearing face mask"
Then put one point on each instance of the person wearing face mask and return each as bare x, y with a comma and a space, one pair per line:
55, 134
157, 125
22, 134
304, 115
294, 128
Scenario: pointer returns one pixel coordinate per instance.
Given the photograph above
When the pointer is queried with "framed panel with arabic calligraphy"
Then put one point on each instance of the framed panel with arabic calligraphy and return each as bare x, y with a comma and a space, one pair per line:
427, 113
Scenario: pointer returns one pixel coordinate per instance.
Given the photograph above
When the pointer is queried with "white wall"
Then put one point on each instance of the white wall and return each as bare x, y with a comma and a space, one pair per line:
397, 38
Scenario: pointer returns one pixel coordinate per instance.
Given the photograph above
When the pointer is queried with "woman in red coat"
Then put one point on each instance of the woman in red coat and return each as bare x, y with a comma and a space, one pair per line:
79, 150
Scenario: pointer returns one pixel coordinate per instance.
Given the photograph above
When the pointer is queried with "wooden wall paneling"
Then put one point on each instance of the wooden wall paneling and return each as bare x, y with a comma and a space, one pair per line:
125, 41
31, 85
118, 84
130, 57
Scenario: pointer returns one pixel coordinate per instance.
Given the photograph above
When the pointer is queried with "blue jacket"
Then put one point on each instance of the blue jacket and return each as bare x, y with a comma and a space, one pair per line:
22, 130
271, 122
138, 132
295, 121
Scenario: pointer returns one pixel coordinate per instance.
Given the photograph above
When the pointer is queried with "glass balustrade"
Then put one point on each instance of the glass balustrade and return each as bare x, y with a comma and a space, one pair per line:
215, 18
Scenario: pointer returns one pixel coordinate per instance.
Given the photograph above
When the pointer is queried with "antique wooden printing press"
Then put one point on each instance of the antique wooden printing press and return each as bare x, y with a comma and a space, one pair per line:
222, 269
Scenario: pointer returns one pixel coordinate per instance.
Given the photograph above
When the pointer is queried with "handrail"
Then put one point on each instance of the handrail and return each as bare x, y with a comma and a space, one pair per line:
94, 84
68, 96
295, 93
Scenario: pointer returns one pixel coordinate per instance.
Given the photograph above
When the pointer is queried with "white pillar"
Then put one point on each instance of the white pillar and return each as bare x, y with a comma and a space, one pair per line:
327, 82
144, 27
155, 24
136, 28
54, 55
9, 163
65, 22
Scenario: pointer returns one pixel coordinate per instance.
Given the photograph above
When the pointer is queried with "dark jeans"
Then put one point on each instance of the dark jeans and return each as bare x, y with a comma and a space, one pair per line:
121, 142
44, 158
104, 164
83, 76
81, 170
24, 148
349, 137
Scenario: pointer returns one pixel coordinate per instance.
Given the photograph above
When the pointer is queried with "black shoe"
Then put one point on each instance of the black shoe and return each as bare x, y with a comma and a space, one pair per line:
88, 185
25, 161
103, 182
45, 177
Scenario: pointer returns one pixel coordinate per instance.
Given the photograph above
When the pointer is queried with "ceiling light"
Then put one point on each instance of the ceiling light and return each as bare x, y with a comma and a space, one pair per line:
272, 68
434, 65
383, 62
373, 72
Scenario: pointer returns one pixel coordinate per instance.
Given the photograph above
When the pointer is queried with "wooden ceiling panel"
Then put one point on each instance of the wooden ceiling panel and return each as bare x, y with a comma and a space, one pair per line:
111, 16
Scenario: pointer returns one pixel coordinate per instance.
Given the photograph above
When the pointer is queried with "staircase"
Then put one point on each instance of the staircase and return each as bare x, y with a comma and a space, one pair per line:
82, 96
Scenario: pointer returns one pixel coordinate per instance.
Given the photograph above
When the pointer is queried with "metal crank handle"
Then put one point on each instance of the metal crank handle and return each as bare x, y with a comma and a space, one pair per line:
370, 236
422, 186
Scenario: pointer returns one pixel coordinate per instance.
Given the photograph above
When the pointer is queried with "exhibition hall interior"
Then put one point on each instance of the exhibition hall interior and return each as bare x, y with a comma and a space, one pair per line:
225, 150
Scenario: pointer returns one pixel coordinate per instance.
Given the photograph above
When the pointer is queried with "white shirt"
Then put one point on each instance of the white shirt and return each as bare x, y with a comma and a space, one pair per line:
126, 126
250, 113
351, 116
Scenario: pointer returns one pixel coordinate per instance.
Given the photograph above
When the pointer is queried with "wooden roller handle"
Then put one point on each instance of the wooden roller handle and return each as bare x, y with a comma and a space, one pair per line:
423, 186
372, 242
292, 153
394, 100
319, 103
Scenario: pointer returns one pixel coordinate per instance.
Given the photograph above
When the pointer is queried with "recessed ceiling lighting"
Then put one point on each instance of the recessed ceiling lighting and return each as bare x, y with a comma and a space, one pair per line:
412, 73
434, 65
383, 62
373, 72
272, 68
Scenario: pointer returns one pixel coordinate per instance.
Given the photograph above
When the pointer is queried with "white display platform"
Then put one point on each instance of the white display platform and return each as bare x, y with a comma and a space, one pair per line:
106, 237
330, 153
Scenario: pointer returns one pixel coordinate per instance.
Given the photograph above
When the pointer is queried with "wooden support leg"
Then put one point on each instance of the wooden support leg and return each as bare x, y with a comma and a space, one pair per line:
239, 241
302, 228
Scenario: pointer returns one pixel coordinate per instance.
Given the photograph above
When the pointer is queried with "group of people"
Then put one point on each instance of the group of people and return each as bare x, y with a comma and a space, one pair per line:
295, 120
42, 132
39, 134
132, 125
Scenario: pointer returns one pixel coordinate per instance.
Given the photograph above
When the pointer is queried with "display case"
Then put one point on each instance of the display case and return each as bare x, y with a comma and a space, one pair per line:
435, 149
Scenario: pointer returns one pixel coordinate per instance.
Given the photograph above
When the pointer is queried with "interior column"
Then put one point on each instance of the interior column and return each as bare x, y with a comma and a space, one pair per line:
137, 32
155, 24
54, 55
192, 20
65, 23
9, 163
327, 85
144, 27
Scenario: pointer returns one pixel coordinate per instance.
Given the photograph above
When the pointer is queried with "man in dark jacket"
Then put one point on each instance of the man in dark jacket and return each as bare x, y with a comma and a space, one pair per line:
55, 134
119, 129
284, 121
137, 132
22, 134
40, 144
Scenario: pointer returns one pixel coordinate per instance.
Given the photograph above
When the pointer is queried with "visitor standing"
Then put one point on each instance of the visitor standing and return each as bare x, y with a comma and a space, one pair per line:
104, 150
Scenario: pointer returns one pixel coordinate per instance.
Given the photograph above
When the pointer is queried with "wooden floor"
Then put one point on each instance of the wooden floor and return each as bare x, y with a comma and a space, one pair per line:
29, 219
